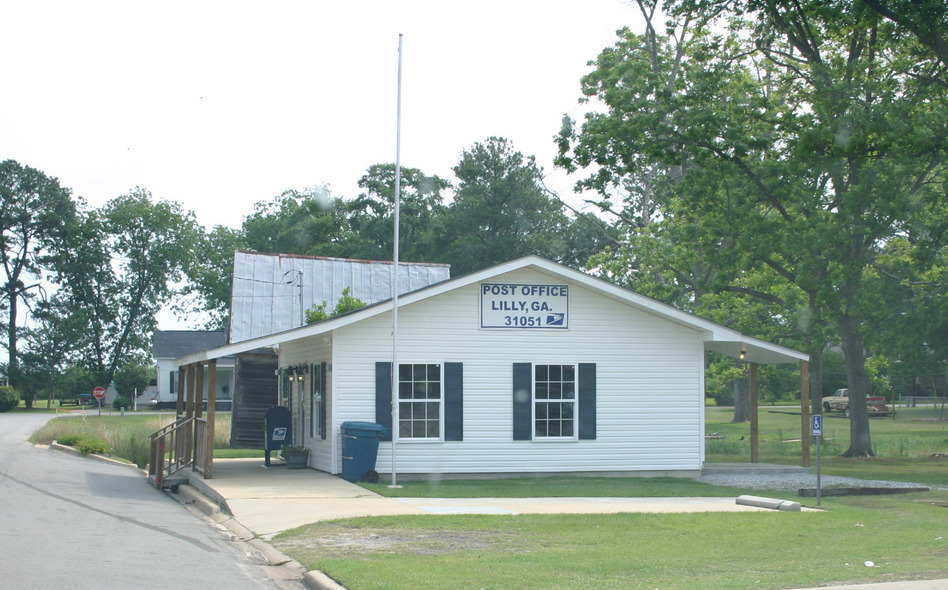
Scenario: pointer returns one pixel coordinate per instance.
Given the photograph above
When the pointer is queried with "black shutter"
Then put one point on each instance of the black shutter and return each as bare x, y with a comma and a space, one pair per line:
587, 401
322, 401
383, 397
522, 401
453, 401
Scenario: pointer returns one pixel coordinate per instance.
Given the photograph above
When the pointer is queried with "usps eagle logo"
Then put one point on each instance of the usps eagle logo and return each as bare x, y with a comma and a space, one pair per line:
555, 319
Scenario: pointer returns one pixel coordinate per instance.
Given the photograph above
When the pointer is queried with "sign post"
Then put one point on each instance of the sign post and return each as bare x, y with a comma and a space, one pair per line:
99, 393
818, 433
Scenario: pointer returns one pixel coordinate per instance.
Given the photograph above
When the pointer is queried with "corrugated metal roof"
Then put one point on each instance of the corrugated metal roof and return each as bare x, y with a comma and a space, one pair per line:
269, 288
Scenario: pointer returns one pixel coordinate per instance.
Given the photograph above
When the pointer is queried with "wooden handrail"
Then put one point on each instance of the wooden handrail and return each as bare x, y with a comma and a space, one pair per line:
172, 448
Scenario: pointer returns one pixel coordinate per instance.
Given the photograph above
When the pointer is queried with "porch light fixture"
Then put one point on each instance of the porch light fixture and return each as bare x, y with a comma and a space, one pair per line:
743, 354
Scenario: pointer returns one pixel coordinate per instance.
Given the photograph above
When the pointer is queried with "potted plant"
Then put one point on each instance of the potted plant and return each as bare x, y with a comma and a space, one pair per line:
296, 457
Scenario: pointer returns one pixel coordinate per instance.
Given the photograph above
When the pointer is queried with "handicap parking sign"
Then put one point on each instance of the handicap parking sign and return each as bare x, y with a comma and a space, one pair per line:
818, 425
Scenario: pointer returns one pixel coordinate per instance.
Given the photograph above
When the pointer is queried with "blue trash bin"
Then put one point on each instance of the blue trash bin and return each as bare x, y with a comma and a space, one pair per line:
360, 449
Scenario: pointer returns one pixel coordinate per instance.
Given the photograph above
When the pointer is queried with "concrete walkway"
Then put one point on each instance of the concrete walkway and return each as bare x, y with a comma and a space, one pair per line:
268, 501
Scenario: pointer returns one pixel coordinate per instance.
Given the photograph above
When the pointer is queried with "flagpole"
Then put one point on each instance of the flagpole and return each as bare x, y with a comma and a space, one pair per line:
398, 191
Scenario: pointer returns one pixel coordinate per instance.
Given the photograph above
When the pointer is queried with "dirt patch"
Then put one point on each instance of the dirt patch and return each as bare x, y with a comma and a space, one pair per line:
354, 542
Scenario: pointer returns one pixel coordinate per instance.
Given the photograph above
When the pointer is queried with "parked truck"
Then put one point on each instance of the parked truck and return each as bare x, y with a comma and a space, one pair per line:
840, 401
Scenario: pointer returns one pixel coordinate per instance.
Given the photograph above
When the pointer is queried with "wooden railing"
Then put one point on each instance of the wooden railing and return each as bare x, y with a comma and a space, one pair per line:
172, 449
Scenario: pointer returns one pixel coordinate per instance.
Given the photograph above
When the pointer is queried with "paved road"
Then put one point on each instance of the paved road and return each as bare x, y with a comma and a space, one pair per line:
72, 522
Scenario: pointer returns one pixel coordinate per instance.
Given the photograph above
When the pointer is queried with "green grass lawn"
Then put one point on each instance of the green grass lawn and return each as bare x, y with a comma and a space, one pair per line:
904, 536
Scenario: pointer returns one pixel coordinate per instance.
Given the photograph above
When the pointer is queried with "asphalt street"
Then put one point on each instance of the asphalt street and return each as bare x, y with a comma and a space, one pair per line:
73, 522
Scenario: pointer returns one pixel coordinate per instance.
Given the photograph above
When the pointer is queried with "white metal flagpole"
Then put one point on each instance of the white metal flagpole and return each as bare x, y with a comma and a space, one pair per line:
398, 191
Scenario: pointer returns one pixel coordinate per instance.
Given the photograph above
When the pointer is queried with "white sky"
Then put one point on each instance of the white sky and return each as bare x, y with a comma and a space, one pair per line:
219, 105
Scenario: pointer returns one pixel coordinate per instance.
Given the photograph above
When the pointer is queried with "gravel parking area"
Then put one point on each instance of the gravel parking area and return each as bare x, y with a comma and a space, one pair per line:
795, 481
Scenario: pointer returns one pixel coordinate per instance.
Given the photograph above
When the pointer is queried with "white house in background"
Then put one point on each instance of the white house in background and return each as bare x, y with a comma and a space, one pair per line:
524, 367
171, 344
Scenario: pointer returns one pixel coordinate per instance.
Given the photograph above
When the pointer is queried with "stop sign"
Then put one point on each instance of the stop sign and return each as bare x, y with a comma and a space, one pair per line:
98, 392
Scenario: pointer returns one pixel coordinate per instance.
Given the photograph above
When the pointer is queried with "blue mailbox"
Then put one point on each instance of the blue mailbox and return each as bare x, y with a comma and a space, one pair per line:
279, 430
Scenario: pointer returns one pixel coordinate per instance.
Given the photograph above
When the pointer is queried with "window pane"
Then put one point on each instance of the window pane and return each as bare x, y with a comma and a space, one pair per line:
542, 391
554, 411
556, 373
419, 391
556, 390
404, 372
542, 373
420, 372
541, 411
434, 373
434, 430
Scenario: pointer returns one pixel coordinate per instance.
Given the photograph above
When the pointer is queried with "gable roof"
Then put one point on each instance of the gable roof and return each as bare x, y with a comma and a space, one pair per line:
172, 344
717, 338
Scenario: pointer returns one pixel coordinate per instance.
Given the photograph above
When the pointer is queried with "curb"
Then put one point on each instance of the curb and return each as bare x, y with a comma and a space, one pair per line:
55, 446
315, 580
772, 503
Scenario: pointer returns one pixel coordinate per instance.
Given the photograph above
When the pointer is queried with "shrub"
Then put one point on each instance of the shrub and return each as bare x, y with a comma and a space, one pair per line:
121, 402
69, 439
88, 444
9, 398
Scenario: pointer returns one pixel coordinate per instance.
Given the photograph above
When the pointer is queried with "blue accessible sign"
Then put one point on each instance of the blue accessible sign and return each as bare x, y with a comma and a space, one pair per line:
818, 425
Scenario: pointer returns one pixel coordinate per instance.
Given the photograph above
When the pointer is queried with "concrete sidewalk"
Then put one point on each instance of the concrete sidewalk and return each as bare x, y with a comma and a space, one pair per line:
268, 501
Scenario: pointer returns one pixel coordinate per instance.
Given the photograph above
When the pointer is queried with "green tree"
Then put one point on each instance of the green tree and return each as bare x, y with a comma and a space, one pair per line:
420, 209
501, 210
308, 222
797, 141
35, 212
345, 304
211, 277
49, 341
125, 260
132, 379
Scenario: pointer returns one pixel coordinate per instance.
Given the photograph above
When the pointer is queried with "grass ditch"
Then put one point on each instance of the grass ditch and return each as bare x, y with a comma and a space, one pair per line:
126, 436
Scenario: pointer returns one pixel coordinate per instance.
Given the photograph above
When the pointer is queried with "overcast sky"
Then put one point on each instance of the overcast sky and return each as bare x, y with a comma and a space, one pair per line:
219, 105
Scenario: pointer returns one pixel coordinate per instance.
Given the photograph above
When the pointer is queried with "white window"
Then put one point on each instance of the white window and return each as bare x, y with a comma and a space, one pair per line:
554, 401
419, 401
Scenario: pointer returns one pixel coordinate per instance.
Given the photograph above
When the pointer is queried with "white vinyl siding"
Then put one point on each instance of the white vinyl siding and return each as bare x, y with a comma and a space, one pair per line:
649, 403
309, 352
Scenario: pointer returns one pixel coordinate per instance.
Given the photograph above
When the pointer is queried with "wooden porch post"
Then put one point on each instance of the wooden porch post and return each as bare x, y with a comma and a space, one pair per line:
211, 414
179, 402
805, 410
755, 438
189, 411
199, 386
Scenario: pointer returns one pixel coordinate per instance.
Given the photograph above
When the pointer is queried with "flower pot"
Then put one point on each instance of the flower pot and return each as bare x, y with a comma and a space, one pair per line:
297, 460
